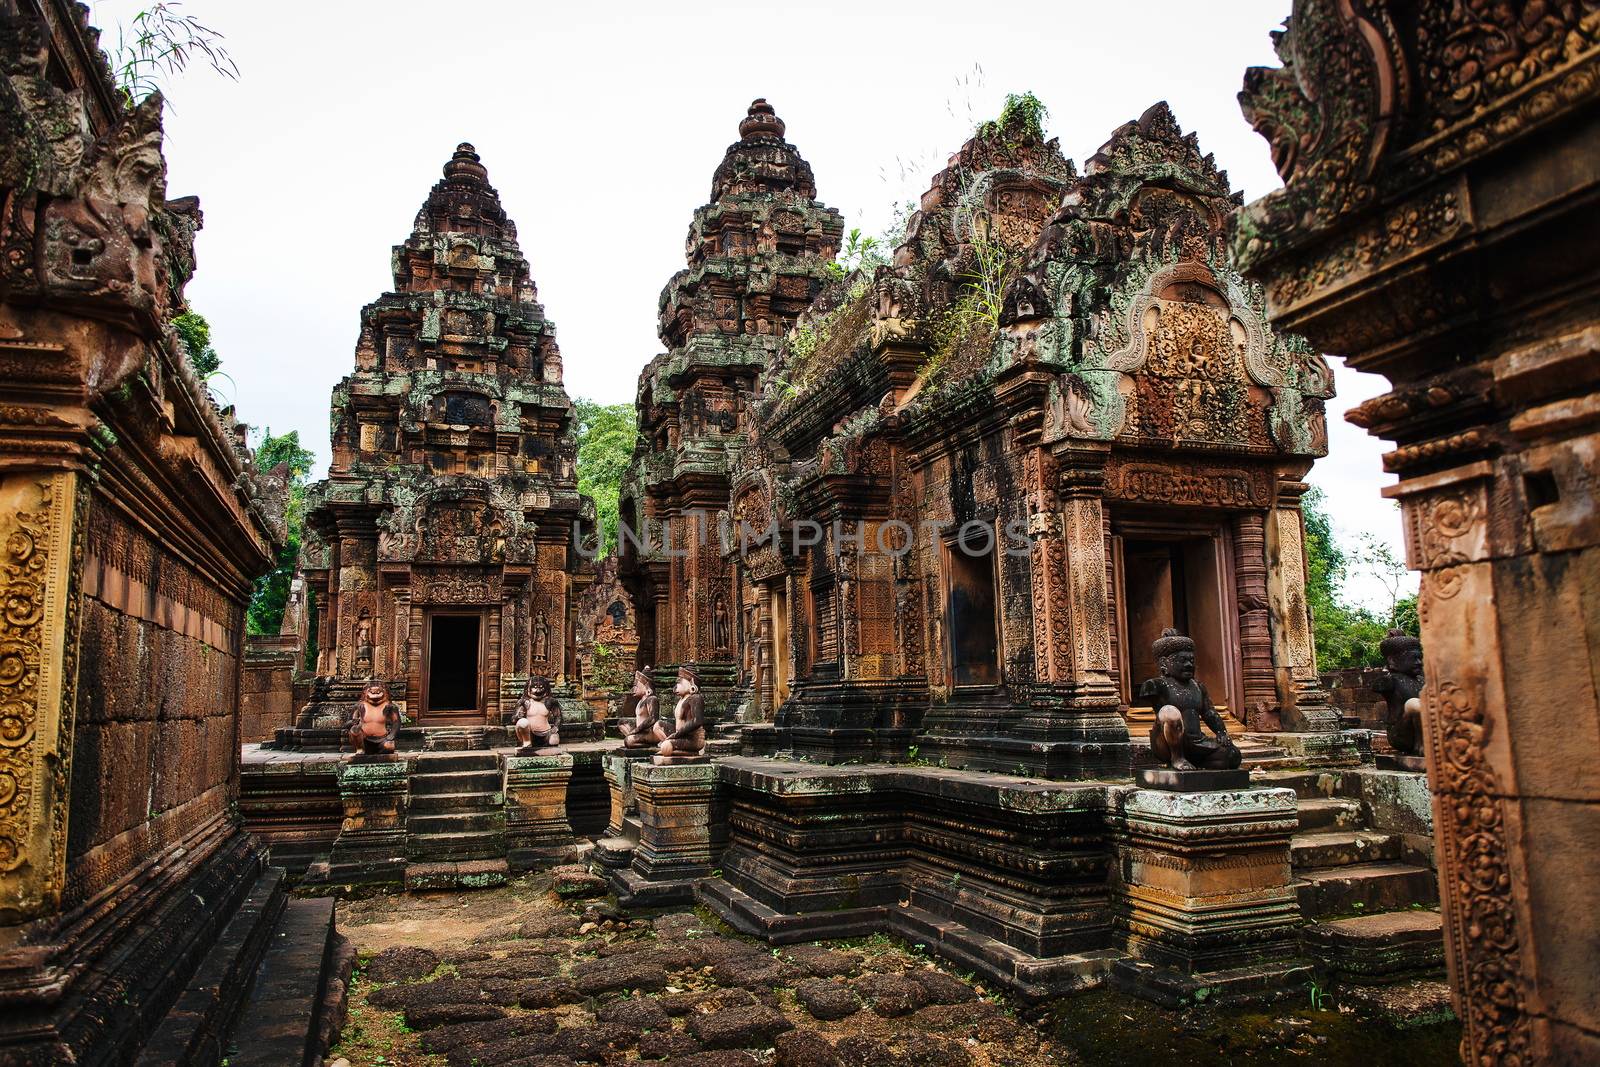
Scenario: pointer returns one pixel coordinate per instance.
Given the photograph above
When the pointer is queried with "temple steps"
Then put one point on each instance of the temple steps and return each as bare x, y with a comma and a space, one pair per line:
1385, 947
451, 803
456, 823
455, 762
297, 1004
424, 781
1341, 848
455, 811
1365, 888
446, 848
1329, 813
194, 1027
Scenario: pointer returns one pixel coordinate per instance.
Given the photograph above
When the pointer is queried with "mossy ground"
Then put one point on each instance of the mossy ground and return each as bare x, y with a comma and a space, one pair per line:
1099, 1027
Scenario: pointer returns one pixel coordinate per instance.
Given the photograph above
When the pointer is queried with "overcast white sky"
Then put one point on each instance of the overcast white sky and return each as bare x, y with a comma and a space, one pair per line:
601, 124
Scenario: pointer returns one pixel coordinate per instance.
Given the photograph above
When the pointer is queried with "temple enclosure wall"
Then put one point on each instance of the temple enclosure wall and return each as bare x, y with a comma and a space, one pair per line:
133, 904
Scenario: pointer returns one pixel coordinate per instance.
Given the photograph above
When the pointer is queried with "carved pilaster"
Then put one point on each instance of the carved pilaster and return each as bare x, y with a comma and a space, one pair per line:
41, 527
1255, 631
1468, 749
1302, 702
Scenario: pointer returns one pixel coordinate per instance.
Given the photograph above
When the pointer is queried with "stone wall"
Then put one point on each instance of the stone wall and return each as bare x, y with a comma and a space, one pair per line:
266, 699
1351, 692
132, 527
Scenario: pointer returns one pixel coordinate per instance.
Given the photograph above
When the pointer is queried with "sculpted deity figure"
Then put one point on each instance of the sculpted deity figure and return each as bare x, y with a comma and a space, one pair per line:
1402, 691
541, 638
644, 728
688, 739
363, 640
1182, 704
374, 722
539, 720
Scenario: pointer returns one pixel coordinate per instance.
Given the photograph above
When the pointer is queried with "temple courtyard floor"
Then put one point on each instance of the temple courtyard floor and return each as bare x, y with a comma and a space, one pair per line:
545, 972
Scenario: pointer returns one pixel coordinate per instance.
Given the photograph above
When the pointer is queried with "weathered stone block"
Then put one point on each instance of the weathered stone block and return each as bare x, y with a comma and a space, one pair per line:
371, 847
538, 832
1203, 894
679, 836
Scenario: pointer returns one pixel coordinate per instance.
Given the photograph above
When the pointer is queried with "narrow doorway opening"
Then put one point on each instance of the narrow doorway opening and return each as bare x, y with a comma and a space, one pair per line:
453, 648
1182, 584
970, 616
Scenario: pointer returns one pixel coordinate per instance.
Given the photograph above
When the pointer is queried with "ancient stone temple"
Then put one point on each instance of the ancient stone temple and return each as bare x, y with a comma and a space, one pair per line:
758, 254
134, 907
607, 638
1055, 426
1438, 226
444, 554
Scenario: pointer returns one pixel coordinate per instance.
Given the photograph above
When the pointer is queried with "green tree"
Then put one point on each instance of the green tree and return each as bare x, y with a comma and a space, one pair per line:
1347, 634
272, 589
606, 433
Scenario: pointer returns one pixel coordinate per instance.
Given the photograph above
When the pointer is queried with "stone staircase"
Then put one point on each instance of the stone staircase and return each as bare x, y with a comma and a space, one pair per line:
455, 821
1370, 902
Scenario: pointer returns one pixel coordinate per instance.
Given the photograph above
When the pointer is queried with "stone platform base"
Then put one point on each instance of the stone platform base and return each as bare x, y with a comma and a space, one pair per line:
1040, 886
1172, 988
1029, 977
292, 799
1192, 781
1393, 761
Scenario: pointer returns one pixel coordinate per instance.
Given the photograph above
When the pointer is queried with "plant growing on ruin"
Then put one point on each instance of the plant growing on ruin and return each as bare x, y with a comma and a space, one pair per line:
159, 44
858, 253
1021, 119
195, 333
994, 267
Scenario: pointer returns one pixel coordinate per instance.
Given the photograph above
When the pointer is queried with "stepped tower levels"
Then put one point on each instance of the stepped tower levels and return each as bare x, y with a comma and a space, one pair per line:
758, 253
441, 550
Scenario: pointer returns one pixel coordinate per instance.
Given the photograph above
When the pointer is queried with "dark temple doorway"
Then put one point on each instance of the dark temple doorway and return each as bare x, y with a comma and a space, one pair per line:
1179, 580
454, 647
974, 635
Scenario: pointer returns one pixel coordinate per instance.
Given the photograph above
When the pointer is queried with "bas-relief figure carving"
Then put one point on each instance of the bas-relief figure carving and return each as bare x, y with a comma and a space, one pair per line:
538, 720
1182, 705
1401, 687
640, 725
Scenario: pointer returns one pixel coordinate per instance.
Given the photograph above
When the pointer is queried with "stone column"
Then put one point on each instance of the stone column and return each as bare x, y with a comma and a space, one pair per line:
371, 847
680, 833
1303, 706
1203, 888
538, 833
1458, 260
401, 645
41, 545
1255, 630
1074, 705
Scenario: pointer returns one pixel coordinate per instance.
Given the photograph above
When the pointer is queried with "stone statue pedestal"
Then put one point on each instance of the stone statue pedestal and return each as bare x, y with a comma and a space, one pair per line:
680, 832
615, 850
1192, 781
538, 833
1203, 890
370, 850
678, 761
